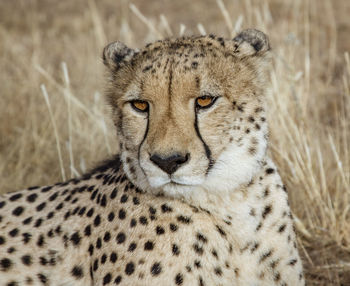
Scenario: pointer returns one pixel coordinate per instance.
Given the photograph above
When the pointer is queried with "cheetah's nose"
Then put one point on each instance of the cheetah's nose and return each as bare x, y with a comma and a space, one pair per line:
171, 163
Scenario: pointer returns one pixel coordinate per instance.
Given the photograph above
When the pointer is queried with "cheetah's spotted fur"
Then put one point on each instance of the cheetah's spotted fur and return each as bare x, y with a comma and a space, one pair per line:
219, 215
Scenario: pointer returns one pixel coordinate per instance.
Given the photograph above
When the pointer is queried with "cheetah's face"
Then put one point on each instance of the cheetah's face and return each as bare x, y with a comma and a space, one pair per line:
189, 112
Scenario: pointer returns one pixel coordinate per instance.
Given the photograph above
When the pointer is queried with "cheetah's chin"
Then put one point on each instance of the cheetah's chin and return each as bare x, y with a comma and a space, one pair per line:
158, 182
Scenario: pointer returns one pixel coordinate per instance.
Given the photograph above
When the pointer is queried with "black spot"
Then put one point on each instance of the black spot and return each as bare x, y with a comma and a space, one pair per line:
103, 258
98, 243
129, 268
67, 215
40, 242
136, 201
97, 220
95, 266
266, 211
173, 227
46, 189
254, 247
15, 197
77, 272
58, 230
251, 119
132, 246
282, 228
26, 260
184, 219
120, 237
50, 215
148, 245
218, 271
292, 262
107, 237
75, 238
42, 278
11, 250
38, 222
91, 249
160, 230
122, 214
179, 279
107, 278
2, 204
277, 276
269, 171
111, 216
87, 230
202, 238
50, 233
98, 198
118, 280
197, 264
124, 198
93, 195
143, 220
166, 209
259, 226
266, 192
18, 211
59, 206
113, 258
103, 201
175, 249
147, 68
265, 255
33, 188
220, 230
5, 264
41, 206
133, 222
114, 193
42, 260
198, 249
26, 237
13, 232
200, 281
152, 210
156, 269
53, 197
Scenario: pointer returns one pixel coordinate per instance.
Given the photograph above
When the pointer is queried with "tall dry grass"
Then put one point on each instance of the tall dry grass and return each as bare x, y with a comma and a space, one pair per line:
54, 123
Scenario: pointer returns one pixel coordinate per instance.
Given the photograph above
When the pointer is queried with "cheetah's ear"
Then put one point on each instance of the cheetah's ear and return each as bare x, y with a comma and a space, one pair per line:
116, 54
251, 42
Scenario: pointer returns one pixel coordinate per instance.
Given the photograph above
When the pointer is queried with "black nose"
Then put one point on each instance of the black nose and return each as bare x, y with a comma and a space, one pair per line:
170, 164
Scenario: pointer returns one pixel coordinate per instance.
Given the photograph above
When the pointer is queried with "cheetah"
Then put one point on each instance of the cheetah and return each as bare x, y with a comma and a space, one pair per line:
192, 197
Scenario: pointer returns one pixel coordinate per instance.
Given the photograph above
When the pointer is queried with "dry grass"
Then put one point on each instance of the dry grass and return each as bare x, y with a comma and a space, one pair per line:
54, 123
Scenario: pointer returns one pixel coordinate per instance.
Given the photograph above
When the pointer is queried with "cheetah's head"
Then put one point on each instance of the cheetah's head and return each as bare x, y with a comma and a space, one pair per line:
190, 112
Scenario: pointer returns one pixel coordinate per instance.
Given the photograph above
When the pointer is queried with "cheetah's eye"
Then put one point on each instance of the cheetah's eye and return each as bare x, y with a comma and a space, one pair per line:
205, 101
139, 105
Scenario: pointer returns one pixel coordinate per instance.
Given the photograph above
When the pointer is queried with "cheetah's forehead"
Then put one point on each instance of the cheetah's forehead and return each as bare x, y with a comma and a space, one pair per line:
187, 52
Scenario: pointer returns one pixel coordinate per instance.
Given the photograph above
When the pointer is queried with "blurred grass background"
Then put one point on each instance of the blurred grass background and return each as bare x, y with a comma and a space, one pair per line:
54, 123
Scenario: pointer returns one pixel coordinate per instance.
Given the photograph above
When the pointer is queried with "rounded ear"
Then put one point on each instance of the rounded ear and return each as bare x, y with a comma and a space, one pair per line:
116, 54
251, 42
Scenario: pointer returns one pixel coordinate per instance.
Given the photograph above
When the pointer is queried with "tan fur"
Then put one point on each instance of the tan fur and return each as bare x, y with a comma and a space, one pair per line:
219, 216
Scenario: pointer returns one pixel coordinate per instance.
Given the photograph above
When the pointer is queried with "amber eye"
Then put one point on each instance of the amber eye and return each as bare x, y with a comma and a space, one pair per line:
139, 105
205, 101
